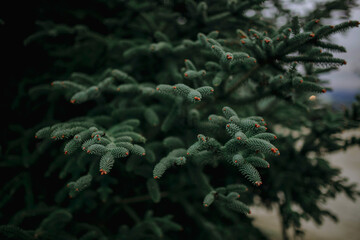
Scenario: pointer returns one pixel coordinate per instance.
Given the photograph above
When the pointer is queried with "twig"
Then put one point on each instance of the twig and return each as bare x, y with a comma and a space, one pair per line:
235, 87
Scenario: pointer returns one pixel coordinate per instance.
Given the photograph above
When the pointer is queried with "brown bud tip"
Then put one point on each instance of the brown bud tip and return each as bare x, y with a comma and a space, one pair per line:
257, 125
268, 166
156, 177
301, 81
228, 125
118, 89
317, 21
324, 90
186, 75
275, 137
235, 161
88, 151
52, 84
212, 46
36, 136
238, 138
331, 26
66, 152
344, 62
242, 41
174, 87
126, 153
187, 153
289, 29
254, 61
77, 189
228, 56
312, 35
211, 90
249, 212
143, 154
158, 89
72, 100
205, 205
185, 60
238, 195
267, 40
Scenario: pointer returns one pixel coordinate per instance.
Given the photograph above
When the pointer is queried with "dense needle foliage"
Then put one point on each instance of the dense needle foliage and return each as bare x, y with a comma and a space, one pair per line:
168, 119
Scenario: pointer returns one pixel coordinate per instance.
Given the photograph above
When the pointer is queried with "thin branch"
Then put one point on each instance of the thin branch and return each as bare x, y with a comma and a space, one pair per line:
137, 199
246, 76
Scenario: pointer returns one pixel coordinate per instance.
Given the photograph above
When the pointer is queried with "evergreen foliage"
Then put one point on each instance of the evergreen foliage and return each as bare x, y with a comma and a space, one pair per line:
163, 131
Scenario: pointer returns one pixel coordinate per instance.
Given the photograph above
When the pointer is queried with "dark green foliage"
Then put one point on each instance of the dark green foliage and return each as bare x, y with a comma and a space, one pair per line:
164, 117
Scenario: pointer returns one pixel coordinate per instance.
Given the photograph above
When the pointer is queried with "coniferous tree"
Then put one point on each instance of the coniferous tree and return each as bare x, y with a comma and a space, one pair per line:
177, 114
